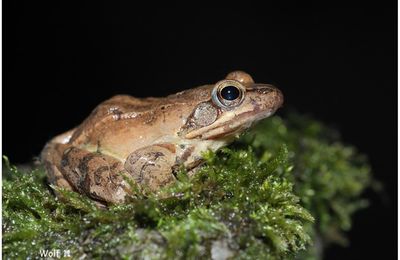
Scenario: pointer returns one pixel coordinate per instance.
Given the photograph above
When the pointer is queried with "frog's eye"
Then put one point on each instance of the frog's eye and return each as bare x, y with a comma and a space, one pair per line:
228, 93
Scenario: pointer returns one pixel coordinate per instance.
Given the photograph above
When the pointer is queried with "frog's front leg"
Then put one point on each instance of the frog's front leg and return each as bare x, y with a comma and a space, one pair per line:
152, 166
95, 174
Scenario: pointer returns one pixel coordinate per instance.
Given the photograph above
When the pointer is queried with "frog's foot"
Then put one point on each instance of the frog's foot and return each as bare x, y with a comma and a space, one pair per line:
152, 166
97, 175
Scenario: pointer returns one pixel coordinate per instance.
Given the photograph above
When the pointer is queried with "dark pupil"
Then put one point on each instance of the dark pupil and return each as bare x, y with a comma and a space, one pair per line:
230, 93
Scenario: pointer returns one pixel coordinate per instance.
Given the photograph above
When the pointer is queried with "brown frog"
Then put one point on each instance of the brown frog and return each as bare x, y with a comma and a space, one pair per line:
147, 139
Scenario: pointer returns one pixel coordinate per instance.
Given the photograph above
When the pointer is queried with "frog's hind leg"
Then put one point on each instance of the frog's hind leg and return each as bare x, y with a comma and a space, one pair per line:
82, 171
97, 175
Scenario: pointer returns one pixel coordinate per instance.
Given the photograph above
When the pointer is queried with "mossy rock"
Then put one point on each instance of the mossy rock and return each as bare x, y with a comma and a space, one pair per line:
284, 190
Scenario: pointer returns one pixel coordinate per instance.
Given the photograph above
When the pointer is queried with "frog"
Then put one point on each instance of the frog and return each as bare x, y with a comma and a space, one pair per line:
145, 141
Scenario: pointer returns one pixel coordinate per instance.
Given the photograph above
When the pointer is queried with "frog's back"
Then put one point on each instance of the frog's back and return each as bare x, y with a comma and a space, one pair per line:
117, 108
123, 123
109, 110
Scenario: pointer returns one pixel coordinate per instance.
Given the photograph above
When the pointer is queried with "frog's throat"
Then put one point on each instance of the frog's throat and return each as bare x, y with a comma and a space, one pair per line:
231, 124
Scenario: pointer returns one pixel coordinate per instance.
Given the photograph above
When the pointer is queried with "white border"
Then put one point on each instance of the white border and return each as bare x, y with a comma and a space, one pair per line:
398, 132
1, 121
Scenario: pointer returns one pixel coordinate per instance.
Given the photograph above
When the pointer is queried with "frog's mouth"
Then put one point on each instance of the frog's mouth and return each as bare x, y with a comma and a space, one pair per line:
232, 124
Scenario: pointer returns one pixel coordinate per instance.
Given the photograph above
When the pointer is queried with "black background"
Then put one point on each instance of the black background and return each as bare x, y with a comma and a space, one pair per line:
337, 64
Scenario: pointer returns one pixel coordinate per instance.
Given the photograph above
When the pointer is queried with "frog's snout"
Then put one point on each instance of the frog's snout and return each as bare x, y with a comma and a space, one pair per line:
271, 96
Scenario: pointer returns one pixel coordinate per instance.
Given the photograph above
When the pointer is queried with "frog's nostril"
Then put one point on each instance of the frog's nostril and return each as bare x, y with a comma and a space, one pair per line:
264, 90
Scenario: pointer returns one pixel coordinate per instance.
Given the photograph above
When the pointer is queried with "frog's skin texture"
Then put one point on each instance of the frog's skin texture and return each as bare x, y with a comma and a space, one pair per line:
147, 139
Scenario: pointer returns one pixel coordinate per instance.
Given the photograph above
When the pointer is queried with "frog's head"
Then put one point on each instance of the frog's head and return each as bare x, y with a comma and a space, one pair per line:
232, 106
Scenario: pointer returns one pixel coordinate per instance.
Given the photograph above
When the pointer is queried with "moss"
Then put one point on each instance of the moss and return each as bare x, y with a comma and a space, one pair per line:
329, 176
254, 200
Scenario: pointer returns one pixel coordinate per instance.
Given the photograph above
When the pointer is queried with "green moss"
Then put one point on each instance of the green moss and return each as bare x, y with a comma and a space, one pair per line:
250, 201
